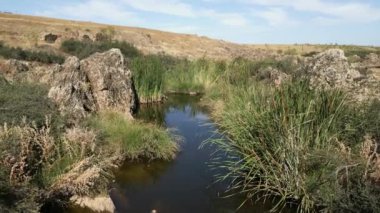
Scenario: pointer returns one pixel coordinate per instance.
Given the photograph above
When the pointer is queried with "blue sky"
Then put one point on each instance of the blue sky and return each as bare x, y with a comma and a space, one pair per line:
242, 21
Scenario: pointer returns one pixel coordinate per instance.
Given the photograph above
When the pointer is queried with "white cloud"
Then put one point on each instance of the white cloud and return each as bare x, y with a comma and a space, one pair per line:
229, 19
276, 17
119, 11
346, 11
170, 7
325, 21
178, 8
94, 9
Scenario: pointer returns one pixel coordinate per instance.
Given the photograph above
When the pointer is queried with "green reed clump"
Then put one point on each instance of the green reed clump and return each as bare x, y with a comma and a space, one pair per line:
135, 139
29, 55
148, 74
288, 143
193, 76
83, 49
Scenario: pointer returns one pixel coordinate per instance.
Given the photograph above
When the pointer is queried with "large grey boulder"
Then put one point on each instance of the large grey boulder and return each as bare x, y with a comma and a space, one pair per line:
99, 82
331, 70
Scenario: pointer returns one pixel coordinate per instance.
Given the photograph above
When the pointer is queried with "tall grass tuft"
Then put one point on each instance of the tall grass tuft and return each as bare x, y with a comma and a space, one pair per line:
148, 75
286, 143
193, 76
136, 140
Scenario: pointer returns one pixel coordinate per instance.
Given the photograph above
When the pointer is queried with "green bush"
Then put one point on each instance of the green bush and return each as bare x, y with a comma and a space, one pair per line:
27, 55
83, 49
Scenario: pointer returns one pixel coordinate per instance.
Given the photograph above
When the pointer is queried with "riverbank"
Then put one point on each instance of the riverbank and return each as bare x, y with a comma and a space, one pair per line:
281, 139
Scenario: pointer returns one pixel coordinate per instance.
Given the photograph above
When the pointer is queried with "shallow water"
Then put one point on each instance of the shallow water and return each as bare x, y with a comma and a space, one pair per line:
185, 184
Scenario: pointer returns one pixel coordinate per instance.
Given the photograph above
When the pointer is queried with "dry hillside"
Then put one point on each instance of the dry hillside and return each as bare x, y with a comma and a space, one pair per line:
29, 32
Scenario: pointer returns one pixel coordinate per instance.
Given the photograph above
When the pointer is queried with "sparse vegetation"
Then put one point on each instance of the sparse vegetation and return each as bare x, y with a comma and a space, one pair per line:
28, 55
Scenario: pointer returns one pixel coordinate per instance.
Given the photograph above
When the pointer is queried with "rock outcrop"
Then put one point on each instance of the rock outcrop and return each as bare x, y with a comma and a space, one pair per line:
99, 82
12, 67
25, 71
331, 69
276, 76
372, 59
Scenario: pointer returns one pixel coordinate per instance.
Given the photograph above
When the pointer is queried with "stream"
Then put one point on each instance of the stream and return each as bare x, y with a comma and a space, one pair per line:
185, 184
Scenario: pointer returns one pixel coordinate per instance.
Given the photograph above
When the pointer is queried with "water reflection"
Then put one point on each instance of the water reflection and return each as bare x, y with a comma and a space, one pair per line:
156, 113
141, 172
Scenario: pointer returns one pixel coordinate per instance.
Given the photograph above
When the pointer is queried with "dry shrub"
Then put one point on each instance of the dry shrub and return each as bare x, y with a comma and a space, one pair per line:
79, 141
369, 151
84, 167
25, 149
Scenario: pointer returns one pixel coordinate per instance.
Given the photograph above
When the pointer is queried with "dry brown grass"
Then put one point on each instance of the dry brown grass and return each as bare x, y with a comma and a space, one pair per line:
80, 138
25, 150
